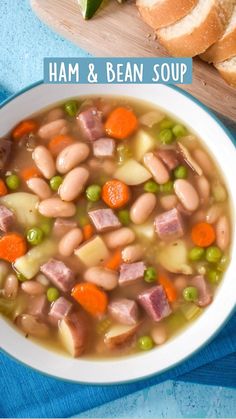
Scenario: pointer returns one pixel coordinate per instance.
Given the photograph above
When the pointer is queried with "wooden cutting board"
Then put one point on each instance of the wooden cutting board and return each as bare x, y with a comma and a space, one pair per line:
118, 31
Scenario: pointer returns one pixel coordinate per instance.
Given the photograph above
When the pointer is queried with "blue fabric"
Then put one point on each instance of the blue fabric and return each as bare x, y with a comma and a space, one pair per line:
36, 395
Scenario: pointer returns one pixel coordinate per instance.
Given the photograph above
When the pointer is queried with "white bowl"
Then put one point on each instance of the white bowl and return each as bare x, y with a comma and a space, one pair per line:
217, 139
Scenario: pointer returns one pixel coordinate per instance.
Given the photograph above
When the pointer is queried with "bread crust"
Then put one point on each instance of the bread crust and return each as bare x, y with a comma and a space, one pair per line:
165, 13
222, 50
229, 77
201, 38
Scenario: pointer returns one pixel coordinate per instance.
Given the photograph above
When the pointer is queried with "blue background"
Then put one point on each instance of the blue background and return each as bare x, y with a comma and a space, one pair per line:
24, 42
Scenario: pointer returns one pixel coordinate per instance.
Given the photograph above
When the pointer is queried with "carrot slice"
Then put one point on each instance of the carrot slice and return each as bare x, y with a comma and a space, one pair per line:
58, 143
88, 231
3, 188
169, 288
30, 172
115, 193
91, 298
121, 123
24, 128
12, 246
203, 234
115, 261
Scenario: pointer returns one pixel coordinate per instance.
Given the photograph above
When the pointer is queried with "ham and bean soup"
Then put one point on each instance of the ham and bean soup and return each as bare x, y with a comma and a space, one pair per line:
114, 227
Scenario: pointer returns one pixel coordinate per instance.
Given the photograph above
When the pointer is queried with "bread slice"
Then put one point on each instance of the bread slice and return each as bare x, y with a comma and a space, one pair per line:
225, 48
160, 13
227, 69
197, 31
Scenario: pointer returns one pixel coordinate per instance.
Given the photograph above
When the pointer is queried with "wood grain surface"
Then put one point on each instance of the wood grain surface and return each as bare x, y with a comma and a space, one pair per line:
118, 31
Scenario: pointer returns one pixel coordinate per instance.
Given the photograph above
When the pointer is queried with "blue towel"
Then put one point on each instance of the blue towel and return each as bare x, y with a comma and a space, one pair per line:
29, 394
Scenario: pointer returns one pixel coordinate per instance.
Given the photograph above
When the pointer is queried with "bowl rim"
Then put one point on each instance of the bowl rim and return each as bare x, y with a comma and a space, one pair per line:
198, 348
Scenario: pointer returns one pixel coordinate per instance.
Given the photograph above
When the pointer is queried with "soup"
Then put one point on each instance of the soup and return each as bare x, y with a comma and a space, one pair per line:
115, 227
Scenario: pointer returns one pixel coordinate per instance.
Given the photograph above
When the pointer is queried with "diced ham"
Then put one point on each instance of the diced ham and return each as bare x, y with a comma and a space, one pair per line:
60, 275
131, 273
5, 150
169, 158
204, 292
6, 218
169, 225
90, 124
155, 303
73, 332
62, 226
104, 147
38, 306
104, 219
124, 311
59, 309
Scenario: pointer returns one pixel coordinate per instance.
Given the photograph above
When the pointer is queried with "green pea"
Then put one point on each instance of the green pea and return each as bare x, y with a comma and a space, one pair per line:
93, 193
13, 182
55, 182
151, 186
181, 172
46, 227
124, 217
196, 253
214, 276
52, 294
71, 107
21, 277
145, 343
223, 263
34, 236
166, 136
213, 254
190, 294
179, 131
150, 274
167, 187
166, 123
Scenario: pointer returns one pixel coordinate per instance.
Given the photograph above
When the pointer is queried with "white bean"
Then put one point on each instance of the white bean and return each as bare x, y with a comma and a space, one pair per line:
121, 237
32, 288
198, 216
55, 207
55, 114
44, 161
142, 208
223, 233
11, 287
43, 280
71, 157
213, 213
204, 162
168, 201
159, 334
73, 184
39, 187
32, 326
157, 168
70, 241
132, 253
102, 277
58, 127
187, 194
204, 189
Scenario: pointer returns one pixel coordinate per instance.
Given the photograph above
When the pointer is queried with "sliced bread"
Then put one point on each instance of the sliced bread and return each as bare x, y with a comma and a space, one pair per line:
225, 48
227, 70
160, 13
197, 31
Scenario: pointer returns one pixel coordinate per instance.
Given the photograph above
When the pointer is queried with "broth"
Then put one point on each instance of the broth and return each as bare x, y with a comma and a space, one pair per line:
115, 227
